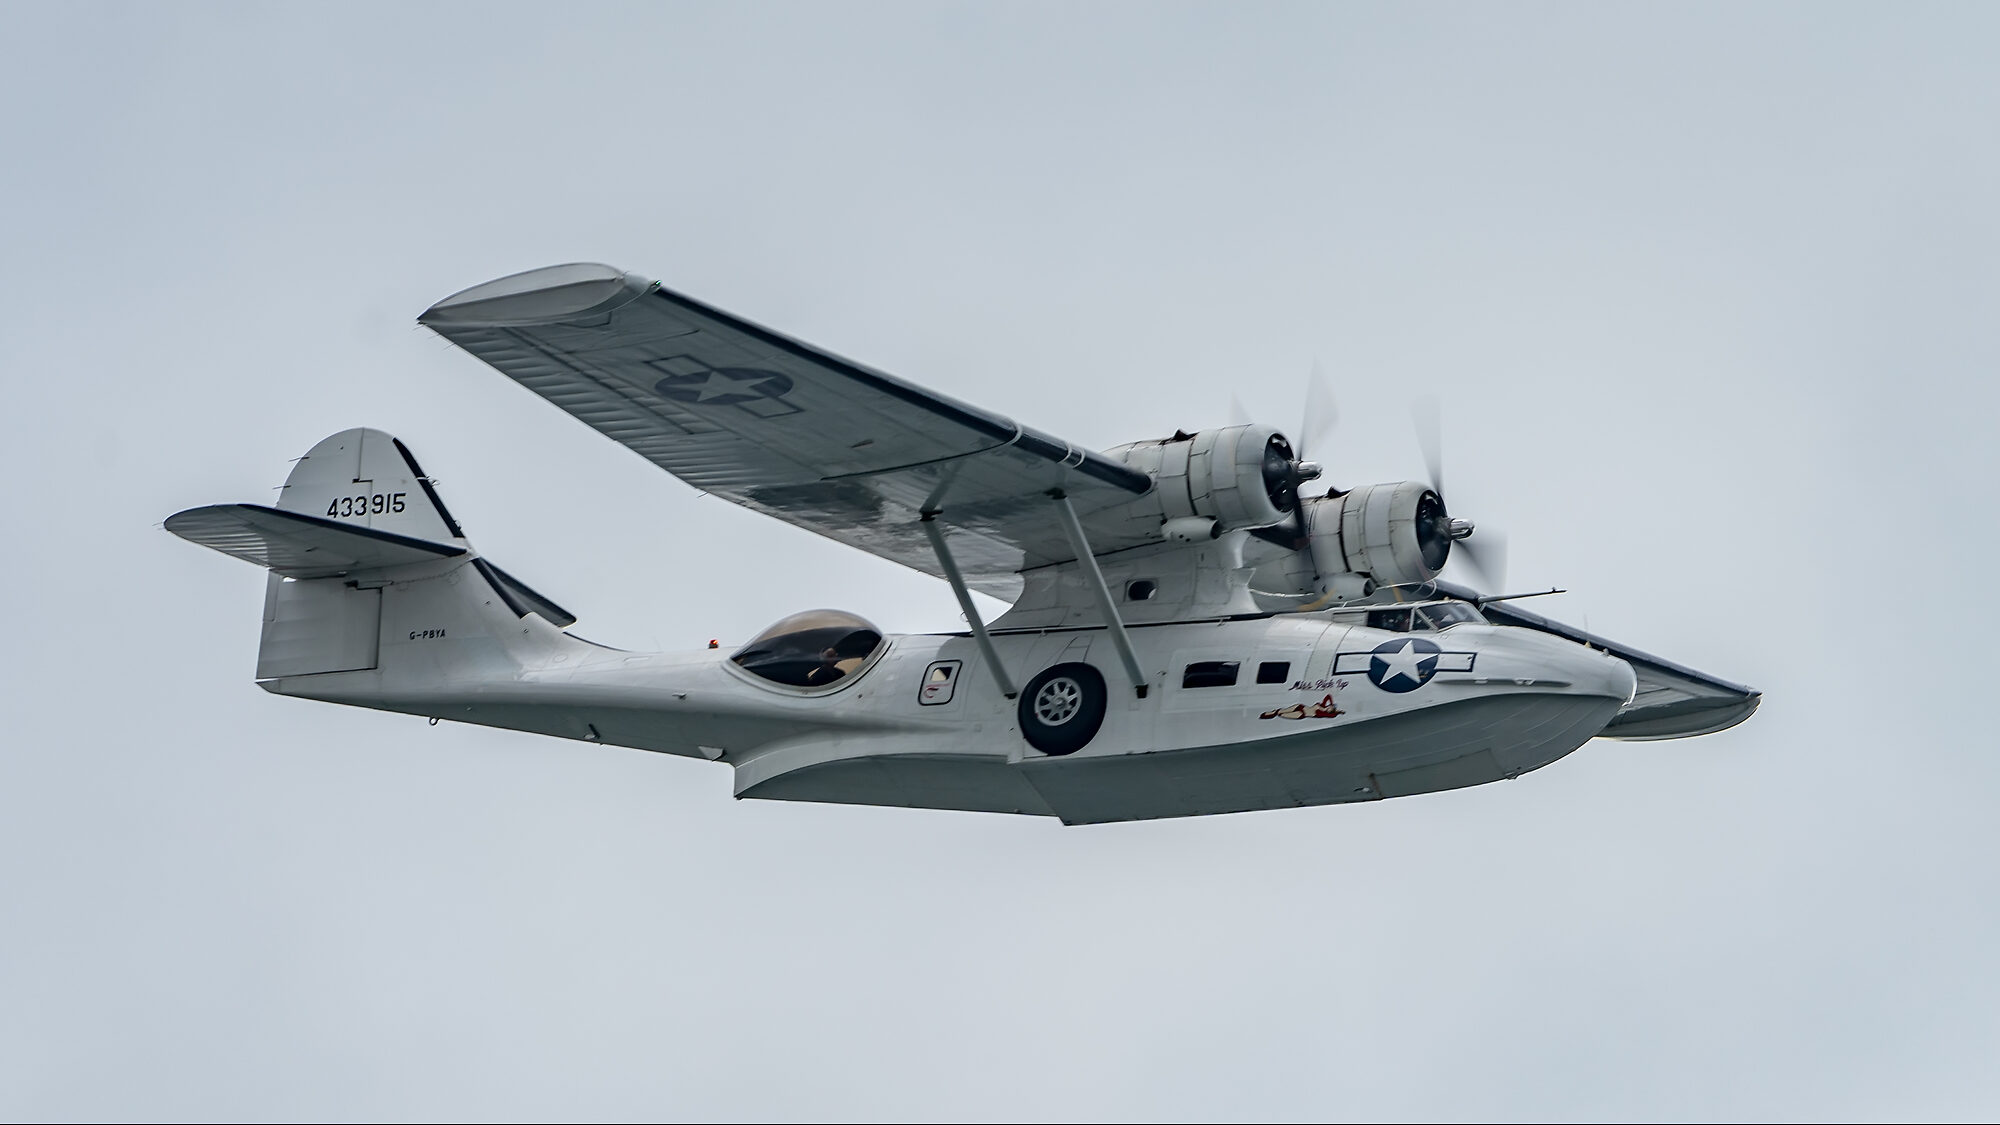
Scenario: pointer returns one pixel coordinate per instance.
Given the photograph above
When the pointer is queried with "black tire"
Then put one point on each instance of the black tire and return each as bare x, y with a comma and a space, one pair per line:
1061, 709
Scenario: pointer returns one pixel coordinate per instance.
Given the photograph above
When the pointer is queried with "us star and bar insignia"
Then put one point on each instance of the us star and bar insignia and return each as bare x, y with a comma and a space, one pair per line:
1403, 665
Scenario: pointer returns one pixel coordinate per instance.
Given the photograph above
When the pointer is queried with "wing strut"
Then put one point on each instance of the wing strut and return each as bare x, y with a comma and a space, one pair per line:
972, 617
1087, 563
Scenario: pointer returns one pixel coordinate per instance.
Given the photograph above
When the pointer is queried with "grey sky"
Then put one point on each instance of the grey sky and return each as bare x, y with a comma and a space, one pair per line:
1708, 294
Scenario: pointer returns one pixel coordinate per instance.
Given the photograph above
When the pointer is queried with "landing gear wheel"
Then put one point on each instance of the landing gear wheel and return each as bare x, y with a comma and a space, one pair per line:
1061, 709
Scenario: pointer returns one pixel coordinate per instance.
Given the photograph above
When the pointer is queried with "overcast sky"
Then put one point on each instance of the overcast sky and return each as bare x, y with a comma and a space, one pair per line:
1708, 294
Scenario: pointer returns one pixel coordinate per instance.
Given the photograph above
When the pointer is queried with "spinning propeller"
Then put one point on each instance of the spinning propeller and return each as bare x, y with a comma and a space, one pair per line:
1437, 531
1285, 471
1285, 467
1316, 420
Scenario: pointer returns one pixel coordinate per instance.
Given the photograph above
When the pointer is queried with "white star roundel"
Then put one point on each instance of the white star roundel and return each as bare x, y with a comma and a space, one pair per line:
1404, 665
724, 386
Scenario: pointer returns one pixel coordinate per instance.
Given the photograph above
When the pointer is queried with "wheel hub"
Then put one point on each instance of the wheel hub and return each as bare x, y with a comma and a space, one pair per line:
1058, 701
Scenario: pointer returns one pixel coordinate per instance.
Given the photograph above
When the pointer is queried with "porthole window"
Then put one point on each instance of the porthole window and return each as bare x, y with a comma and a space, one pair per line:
1142, 590
1274, 671
814, 649
1210, 673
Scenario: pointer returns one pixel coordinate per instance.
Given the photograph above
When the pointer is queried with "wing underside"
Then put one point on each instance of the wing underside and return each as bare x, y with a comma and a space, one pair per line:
783, 427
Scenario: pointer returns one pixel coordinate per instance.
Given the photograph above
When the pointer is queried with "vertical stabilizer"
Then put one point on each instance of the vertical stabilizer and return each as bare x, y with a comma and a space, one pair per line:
365, 478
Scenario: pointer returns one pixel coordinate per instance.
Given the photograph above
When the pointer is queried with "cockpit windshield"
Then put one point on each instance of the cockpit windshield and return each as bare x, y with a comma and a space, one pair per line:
1423, 618
1444, 615
811, 650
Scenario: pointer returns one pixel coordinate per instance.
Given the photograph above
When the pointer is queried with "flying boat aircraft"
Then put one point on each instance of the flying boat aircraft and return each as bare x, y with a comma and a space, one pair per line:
1190, 631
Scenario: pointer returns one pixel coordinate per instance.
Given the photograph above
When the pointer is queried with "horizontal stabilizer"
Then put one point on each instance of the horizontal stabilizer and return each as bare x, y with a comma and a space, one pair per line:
300, 546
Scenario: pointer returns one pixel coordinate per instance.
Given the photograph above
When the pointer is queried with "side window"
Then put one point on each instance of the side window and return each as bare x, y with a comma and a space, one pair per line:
812, 649
940, 681
1210, 673
1274, 671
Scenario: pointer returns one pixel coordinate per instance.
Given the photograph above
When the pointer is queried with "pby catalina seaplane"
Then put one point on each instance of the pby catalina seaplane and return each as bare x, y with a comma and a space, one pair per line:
1189, 634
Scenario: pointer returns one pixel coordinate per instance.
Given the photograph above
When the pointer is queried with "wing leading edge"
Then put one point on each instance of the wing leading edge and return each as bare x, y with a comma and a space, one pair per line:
785, 428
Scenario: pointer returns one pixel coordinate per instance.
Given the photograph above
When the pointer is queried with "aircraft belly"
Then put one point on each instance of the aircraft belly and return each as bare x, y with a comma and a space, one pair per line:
1448, 746
956, 782
1323, 735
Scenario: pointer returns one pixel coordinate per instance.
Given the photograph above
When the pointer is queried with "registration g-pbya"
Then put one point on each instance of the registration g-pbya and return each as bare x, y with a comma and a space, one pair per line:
1191, 630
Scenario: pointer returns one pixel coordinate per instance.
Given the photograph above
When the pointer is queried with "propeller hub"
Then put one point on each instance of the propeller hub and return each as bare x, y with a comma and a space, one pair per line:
1434, 530
1307, 470
1278, 469
1459, 529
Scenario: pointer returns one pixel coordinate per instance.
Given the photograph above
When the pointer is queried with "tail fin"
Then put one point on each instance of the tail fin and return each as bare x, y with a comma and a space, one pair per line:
365, 478
355, 518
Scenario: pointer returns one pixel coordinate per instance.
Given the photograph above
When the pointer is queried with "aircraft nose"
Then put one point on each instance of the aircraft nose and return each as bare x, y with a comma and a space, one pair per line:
1599, 673
1528, 655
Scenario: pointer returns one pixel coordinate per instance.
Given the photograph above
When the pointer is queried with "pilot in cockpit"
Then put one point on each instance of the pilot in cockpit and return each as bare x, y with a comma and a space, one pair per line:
1392, 620
835, 662
828, 669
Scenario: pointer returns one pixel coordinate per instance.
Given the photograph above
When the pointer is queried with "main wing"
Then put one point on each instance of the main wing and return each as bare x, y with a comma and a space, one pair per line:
785, 428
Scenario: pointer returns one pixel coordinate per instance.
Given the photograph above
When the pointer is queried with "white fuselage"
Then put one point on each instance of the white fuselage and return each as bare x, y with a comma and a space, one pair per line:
1339, 721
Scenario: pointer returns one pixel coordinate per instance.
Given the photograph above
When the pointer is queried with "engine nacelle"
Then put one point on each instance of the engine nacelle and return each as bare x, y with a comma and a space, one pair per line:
1393, 533
1237, 476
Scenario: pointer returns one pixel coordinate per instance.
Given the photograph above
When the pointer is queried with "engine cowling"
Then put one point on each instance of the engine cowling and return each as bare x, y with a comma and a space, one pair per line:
1237, 475
1392, 533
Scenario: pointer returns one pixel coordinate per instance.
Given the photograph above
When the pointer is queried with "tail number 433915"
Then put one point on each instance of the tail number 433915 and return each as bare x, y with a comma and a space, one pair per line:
346, 507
